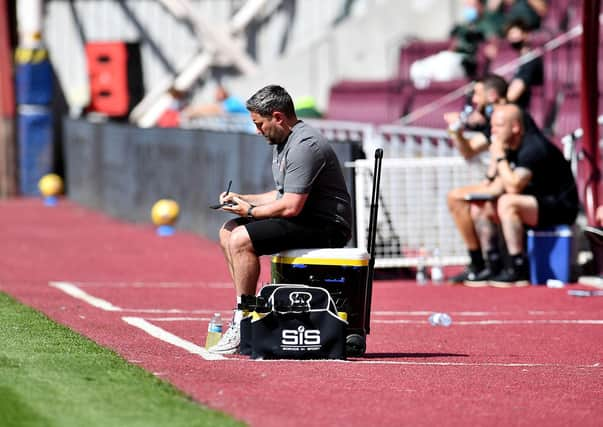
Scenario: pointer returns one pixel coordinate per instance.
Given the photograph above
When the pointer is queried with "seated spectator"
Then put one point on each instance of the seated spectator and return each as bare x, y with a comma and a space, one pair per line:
531, 12
171, 116
224, 104
481, 238
481, 23
535, 185
530, 73
487, 92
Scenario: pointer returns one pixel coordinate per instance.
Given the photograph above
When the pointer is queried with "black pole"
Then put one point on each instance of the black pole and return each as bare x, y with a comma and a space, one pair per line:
371, 238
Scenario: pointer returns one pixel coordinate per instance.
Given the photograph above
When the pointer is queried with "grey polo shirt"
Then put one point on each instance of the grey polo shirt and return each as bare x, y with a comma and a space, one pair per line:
307, 164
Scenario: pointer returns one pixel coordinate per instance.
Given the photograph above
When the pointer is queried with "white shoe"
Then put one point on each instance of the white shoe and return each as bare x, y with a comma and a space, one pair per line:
230, 341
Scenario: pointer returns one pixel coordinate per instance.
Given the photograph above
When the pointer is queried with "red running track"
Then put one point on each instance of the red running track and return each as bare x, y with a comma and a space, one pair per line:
530, 356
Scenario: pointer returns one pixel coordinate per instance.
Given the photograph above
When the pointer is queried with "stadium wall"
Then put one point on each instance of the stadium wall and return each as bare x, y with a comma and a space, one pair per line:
123, 170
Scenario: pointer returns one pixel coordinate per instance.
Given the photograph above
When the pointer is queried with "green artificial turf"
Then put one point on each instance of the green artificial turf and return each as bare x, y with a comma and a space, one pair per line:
51, 376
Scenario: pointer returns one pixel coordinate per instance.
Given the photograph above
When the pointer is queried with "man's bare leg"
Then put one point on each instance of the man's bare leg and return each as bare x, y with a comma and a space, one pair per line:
460, 211
225, 233
486, 225
245, 263
244, 267
514, 211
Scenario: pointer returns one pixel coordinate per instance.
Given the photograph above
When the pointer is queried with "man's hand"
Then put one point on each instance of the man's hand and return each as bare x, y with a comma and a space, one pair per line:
451, 117
239, 207
497, 147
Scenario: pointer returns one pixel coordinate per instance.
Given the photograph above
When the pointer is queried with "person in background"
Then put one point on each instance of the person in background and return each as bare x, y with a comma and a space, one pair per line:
535, 185
488, 92
225, 103
481, 23
531, 12
310, 206
171, 116
530, 73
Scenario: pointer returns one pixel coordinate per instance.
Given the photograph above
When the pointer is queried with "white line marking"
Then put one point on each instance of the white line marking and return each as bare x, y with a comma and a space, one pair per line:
168, 337
470, 313
417, 322
177, 319
499, 322
174, 311
393, 362
77, 293
217, 285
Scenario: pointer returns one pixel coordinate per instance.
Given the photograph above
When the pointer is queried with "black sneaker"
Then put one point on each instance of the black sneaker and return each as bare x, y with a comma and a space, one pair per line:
470, 273
480, 279
511, 277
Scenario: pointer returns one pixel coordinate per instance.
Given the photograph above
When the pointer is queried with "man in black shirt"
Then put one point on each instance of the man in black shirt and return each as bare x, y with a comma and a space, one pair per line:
536, 187
529, 73
489, 92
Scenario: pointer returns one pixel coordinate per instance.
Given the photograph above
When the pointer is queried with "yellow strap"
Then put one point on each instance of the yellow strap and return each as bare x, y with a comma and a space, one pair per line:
320, 261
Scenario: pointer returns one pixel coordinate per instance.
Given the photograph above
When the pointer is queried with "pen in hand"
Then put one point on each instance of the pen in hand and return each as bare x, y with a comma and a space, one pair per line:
223, 204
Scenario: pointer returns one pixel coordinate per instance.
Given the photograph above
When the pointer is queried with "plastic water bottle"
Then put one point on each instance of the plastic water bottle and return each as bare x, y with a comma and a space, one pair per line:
440, 319
214, 330
421, 277
462, 121
437, 276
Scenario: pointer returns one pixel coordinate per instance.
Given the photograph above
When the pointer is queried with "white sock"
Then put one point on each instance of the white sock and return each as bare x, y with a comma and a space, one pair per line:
238, 315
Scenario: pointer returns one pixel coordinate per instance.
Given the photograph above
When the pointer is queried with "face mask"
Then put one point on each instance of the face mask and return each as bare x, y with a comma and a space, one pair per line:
517, 45
470, 14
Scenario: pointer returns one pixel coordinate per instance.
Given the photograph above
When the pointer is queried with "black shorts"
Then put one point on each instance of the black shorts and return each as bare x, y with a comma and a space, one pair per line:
552, 211
273, 235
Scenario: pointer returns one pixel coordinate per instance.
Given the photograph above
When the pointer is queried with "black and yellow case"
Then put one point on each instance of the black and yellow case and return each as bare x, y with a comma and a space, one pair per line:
341, 271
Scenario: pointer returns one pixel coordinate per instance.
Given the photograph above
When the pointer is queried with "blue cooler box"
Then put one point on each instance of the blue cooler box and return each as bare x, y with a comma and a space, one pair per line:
549, 251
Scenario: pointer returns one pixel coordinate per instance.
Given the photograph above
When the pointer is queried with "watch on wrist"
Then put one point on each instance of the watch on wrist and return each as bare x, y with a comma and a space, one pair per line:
500, 159
249, 211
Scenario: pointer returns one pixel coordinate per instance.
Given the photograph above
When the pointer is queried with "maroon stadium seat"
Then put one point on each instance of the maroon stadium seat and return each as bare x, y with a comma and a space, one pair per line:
418, 49
567, 118
434, 92
367, 101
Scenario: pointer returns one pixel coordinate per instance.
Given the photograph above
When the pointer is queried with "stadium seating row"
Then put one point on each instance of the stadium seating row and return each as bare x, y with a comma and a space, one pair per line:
555, 106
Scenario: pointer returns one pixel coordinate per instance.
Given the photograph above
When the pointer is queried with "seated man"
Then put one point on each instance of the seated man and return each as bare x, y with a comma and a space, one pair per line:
310, 207
488, 92
536, 187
